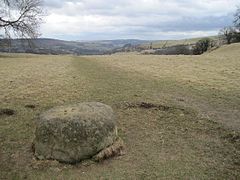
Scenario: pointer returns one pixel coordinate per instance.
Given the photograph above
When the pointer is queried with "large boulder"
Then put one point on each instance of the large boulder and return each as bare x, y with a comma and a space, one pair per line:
75, 132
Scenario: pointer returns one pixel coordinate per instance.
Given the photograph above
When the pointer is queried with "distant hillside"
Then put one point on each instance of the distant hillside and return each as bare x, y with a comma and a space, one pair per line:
170, 43
54, 46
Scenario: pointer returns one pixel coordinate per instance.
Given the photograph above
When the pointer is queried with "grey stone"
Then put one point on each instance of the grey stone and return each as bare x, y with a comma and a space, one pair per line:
75, 132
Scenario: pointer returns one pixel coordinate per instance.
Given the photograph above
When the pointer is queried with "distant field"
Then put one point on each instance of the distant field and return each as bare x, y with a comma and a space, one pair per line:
196, 135
169, 43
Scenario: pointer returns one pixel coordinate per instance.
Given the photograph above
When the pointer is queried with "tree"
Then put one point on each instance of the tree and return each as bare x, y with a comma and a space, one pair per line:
237, 18
237, 25
232, 33
202, 46
20, 18
228, 33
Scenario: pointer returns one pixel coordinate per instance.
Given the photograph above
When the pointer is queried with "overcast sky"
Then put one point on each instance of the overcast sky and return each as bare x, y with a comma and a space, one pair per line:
135, 19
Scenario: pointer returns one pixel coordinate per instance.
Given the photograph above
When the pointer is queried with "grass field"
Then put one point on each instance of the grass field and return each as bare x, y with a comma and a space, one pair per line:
192, 130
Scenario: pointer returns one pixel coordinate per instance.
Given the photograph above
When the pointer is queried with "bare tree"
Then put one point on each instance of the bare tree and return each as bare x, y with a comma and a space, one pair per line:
237, 18
20, 18
237, 25
227, 33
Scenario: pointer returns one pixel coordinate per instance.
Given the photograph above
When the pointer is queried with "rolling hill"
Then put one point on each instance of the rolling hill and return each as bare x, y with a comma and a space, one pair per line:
54, 46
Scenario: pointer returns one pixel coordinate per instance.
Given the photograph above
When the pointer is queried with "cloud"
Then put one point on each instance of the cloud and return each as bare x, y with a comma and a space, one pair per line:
145, 19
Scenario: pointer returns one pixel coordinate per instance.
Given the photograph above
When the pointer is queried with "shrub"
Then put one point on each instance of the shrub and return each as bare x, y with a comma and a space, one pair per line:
202, 46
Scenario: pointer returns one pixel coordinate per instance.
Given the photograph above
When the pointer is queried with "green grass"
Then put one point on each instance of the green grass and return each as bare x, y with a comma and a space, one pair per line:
196, 138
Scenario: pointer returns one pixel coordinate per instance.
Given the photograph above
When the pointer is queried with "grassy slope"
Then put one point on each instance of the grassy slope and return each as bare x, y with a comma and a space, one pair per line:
188, 141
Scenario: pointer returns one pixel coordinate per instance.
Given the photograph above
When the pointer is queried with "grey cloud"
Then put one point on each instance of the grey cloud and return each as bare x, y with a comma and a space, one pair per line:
52, 4
196, 24
130, 18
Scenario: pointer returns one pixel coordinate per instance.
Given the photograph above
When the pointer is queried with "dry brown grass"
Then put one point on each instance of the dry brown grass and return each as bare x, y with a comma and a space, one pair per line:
196, 137
216, 74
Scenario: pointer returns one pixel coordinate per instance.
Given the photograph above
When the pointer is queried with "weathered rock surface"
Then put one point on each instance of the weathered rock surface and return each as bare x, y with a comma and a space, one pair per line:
76, 132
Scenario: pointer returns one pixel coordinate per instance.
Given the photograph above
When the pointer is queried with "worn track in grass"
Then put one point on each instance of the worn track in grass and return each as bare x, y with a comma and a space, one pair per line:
167, 110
